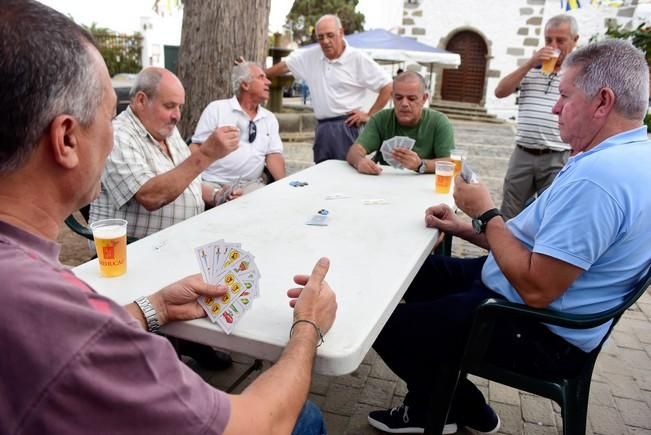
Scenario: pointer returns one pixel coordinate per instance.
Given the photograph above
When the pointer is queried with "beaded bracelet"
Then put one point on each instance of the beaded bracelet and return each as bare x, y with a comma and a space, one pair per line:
316, 327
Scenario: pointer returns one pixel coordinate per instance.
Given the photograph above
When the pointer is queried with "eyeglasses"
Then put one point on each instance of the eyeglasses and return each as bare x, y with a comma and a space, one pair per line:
253, 131
549, 82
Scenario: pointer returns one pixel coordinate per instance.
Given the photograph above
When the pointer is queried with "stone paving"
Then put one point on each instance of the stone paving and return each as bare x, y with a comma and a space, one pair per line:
620, 397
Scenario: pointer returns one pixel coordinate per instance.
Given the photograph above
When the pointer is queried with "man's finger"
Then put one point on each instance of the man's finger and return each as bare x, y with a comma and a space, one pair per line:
319, 272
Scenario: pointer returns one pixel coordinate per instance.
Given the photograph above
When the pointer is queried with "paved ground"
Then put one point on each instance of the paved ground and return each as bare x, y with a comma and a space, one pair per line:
620, 399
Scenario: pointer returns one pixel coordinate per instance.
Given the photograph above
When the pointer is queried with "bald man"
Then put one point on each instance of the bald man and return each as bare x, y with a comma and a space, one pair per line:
151, 178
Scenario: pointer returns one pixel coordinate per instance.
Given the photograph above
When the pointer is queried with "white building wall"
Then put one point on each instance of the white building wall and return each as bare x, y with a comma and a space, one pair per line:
512, 30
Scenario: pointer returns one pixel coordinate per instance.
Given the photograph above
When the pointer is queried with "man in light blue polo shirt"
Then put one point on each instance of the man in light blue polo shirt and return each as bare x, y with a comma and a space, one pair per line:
579, 248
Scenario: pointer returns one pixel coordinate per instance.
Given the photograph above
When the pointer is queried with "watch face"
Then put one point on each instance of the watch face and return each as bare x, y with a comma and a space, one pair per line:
476, 225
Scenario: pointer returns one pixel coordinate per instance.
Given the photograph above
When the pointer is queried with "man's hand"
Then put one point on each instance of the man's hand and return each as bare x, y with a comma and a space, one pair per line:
443, 219
235, 193
221, 142
368, 166
541, 55
407, 158
178, 301
315, 301
356, 118
472, 198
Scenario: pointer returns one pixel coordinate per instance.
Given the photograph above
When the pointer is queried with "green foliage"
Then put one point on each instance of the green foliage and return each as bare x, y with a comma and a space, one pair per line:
304, 14
121, 52
639, 37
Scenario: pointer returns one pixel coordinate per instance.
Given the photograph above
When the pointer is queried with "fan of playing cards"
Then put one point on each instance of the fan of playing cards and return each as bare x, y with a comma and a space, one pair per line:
395, 142
228, 264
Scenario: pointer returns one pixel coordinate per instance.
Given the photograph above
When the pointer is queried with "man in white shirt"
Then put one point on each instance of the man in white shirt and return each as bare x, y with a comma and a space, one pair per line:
339, 77
260, 143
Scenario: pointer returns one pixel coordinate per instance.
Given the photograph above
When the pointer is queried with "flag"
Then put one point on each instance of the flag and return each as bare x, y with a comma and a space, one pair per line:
571, 4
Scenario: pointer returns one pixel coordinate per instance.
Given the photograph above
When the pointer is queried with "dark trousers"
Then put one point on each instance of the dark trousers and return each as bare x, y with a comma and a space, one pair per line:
333, 138
432, 327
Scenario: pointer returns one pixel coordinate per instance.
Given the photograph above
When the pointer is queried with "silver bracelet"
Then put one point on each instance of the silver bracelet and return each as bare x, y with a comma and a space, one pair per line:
316, 327
148, 310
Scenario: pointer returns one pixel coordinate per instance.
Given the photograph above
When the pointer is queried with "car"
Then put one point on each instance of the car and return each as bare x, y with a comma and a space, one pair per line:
295, 90
122, 83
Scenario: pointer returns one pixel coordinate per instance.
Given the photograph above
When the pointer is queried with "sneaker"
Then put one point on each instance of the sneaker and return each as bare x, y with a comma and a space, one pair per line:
398, 420
487, 423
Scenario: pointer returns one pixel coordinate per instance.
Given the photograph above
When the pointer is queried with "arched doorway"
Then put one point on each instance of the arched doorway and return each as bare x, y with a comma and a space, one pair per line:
466, 83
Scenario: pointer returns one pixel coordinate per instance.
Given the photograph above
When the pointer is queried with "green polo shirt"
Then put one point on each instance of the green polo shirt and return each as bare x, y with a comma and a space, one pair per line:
433, 134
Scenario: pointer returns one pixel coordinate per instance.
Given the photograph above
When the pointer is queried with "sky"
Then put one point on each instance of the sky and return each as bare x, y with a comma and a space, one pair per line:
124, 15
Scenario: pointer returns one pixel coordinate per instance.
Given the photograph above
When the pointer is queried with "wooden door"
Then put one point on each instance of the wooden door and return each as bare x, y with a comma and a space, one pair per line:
466, 83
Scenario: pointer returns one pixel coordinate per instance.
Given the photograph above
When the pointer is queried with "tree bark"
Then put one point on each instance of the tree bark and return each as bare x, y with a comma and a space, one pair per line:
214, 33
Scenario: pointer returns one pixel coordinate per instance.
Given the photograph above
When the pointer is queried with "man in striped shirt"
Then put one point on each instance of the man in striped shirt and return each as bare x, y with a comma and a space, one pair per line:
539, 150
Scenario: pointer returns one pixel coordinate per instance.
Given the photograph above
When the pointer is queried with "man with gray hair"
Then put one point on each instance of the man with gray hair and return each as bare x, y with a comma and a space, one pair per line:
259, 140
74, 361
580, 248
151, 178
539, 150
430, 129
338, 77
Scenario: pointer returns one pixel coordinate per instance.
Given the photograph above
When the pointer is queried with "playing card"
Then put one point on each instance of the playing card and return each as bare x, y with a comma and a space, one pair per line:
468, 174
319, 220
230, 265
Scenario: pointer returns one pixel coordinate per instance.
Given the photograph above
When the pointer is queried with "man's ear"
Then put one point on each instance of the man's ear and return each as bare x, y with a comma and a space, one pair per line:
63, 131
605, 102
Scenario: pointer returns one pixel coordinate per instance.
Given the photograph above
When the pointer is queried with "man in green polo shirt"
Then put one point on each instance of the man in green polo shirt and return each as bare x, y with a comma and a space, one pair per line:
430, 129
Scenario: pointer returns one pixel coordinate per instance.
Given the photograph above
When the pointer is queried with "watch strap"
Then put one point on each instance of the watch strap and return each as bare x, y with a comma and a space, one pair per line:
484, 218
148, 310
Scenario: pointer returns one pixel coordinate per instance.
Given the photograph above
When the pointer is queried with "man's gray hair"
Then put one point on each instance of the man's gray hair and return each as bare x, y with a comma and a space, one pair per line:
617, 65
147, 81
410, 76
47, 70
329, 17
561, 19
241, 74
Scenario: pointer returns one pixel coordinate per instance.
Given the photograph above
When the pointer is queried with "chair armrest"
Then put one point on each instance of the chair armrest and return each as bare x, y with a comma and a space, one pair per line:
494, 308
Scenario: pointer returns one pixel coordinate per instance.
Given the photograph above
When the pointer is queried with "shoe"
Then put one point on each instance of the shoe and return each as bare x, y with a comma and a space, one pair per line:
398, 420
487, 422
207, 357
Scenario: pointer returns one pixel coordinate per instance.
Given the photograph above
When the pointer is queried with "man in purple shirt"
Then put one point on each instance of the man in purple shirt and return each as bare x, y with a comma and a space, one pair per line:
74, 361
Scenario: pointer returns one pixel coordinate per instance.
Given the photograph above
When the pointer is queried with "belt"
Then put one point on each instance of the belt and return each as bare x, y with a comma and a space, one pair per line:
336, 118
538, 151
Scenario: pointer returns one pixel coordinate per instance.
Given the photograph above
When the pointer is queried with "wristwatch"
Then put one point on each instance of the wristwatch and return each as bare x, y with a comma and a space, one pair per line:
148, 310
422, 167
479, 224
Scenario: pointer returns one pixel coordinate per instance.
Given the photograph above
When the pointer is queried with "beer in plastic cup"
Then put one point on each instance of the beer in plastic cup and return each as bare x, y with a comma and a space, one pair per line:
457, 157
444, 174
549, 64
111, 245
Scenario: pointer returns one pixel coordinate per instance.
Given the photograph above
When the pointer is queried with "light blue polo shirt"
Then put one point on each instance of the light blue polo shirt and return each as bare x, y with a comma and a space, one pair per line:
596, 215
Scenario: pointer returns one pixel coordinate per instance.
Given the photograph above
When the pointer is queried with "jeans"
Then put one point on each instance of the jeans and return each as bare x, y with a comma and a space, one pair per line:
310, 421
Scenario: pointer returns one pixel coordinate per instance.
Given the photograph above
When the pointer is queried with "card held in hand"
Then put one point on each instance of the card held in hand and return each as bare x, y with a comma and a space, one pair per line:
230, 265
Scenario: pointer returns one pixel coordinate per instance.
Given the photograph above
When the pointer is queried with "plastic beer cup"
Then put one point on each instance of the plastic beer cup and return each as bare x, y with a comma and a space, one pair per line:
457, 157
111, 245
549, 64
444, 175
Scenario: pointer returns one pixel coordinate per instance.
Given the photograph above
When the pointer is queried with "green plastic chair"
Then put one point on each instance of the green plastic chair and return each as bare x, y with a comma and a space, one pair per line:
571, 393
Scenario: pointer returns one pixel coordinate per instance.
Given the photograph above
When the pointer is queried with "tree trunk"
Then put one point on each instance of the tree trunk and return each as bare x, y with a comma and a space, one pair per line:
215, 33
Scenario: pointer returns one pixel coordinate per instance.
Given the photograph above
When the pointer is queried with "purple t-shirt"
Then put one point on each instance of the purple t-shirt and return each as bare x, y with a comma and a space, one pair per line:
75, 362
